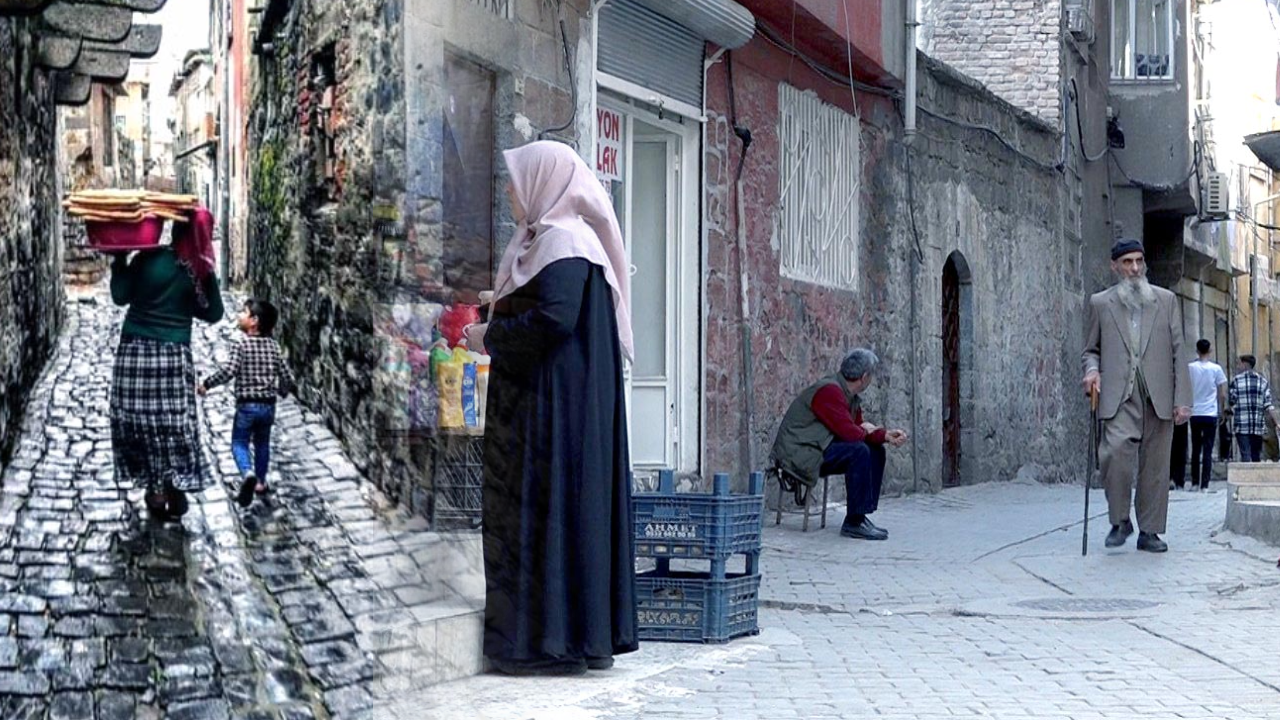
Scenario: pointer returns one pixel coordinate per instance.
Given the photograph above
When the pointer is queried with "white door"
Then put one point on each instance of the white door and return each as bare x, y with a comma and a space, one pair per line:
653, 229
648, 202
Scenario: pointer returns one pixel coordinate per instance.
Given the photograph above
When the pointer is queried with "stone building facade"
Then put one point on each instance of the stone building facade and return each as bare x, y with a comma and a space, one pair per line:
373, 137
996, 287
375, 131
1010, 46
31, 293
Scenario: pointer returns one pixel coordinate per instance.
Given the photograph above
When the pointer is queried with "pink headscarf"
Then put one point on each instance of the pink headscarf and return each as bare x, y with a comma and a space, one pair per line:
193, 243
567, 215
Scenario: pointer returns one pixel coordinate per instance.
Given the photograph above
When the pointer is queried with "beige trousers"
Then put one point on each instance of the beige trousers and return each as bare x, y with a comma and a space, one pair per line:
1135, 446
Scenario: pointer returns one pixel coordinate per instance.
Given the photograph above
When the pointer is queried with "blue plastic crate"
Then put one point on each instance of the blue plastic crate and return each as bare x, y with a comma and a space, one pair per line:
669, 524
690, 607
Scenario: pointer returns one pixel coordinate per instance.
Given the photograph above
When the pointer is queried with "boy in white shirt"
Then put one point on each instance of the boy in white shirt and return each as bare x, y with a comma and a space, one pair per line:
1209, 389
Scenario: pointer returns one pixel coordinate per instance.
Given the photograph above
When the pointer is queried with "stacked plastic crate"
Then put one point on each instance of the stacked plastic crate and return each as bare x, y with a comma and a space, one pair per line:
701, 599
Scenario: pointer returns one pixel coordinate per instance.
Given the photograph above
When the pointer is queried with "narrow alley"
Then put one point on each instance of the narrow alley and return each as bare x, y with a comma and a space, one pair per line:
325, 602
534, 313
316, 604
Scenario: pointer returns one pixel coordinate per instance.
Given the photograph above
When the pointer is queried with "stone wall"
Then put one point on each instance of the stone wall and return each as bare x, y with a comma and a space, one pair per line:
31, 294
1000, 214
348, 212
314, 249
1011, 46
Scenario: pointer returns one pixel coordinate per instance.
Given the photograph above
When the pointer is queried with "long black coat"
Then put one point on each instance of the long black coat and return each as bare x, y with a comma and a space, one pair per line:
558, 555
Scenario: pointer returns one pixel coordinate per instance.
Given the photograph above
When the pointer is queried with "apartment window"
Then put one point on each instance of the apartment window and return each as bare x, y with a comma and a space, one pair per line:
1142, 39
469, 142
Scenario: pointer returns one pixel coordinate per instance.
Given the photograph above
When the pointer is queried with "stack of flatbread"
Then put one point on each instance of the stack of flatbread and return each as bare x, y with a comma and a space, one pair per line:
168, 206
128, 206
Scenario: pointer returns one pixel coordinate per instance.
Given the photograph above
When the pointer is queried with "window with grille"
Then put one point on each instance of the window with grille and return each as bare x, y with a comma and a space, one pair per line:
1142, 39
821, 163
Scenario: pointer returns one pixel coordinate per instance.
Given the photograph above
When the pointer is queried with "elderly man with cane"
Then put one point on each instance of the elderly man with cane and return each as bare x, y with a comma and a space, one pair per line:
1134, 357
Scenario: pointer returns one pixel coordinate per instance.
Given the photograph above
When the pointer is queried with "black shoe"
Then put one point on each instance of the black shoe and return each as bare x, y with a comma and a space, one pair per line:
157, 506
178, 504
1150, 542
863, 531
1119, 534
599, 663
245, 496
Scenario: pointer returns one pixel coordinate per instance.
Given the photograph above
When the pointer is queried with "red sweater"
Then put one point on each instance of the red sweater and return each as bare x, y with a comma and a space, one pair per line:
832, 408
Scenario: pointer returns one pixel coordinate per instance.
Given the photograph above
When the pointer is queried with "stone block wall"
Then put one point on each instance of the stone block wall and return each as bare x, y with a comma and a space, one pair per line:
1010, 46
998, 212
31, 293
347, 210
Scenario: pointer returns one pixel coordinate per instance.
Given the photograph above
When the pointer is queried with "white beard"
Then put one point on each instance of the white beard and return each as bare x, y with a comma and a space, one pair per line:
1135, 292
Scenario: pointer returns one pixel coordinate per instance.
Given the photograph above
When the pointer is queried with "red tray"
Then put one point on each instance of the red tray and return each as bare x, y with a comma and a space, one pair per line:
126, 236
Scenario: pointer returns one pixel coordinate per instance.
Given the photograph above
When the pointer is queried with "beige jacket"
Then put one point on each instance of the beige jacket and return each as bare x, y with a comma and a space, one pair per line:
1161, 352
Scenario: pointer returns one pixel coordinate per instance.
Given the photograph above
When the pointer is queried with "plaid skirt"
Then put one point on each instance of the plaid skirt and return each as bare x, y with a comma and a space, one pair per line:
155, 430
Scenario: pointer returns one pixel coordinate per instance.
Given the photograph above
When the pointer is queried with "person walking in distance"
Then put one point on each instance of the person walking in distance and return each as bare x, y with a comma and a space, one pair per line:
1209, 393
1250, 399
1134, 356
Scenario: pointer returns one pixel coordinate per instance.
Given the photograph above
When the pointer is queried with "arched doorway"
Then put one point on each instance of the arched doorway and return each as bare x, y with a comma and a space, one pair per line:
957, 365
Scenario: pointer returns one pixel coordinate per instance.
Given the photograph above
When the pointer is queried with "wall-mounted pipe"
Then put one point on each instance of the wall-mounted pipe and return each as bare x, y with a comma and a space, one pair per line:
909, 102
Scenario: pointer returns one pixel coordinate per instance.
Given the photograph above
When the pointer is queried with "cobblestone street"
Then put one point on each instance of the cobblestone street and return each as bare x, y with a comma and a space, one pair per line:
315, 603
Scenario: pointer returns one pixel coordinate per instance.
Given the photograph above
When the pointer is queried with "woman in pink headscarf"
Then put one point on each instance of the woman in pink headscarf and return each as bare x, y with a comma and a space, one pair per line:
559, 562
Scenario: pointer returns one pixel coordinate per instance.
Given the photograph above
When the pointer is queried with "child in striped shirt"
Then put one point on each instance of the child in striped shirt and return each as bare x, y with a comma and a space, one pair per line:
260, 375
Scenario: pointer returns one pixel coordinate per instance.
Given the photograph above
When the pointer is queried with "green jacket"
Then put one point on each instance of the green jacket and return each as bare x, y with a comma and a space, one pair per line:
802, 437
161, 296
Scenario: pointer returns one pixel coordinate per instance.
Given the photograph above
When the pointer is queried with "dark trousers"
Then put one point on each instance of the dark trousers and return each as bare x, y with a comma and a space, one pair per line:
1250, 447
863, 469
1178, 457
1203, 428
253, 425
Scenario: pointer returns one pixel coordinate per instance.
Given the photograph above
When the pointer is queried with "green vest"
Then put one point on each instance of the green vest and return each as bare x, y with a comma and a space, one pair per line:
802, 437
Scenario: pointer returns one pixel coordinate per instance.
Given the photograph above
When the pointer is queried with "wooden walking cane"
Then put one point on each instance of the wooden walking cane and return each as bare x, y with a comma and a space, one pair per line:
1093, 462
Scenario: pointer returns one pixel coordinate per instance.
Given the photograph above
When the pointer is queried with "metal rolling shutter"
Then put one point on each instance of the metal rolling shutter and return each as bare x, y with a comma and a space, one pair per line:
650, 50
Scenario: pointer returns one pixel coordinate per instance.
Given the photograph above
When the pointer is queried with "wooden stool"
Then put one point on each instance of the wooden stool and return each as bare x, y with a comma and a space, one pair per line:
786, 478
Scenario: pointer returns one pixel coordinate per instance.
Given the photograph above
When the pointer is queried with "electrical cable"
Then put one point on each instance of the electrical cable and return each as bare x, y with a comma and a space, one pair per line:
848, 54
911, 207
1160, 187
1057, 168
774, 39
1074, 98
573, 86
743, 133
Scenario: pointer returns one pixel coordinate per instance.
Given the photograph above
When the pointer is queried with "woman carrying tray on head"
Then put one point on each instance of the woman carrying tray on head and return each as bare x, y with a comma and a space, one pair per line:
154, 425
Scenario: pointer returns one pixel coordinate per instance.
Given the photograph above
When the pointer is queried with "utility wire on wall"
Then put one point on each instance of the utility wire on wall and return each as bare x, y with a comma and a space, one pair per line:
573, 86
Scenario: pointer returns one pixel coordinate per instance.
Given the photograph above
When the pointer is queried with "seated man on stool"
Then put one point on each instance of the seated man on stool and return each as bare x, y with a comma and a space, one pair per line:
823, 433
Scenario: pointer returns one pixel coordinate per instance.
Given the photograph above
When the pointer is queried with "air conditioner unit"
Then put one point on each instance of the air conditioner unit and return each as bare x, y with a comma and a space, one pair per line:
1216, 194
1080, 20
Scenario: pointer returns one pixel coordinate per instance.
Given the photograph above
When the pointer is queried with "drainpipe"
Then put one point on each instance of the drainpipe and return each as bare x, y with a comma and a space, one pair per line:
908, 136
596, 7
703, 263
909, 104
1200, 276
1253, 268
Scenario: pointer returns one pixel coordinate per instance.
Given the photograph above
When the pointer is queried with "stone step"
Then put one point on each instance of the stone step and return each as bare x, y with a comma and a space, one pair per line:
1261, 472
1258, 519
1250, 492
436, 643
